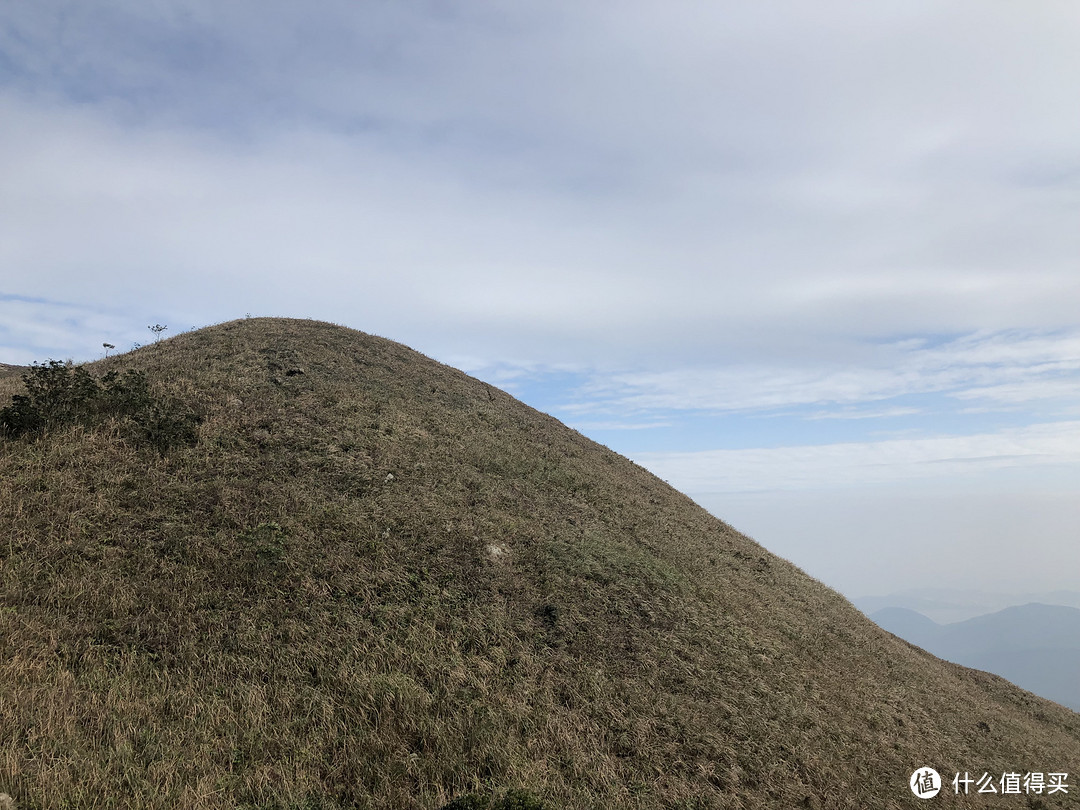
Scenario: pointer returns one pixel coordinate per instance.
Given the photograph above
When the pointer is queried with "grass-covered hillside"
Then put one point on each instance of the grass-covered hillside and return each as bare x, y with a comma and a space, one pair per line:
356, 578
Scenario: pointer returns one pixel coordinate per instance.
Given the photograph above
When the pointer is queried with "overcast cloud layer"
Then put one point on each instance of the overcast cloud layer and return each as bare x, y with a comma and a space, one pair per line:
752, 245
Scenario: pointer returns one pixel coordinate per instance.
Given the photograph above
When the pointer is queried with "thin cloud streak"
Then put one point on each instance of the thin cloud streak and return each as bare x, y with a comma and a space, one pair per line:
587, 426
47, 326
885, 413
997, 368
1050, 450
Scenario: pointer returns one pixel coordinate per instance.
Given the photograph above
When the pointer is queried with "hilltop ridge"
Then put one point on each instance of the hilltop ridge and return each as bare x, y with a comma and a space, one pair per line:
374, 581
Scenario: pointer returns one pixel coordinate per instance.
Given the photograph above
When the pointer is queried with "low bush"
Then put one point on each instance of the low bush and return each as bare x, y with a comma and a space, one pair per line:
59, 394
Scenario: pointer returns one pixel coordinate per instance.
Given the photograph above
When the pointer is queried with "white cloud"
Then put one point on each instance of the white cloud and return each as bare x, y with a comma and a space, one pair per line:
853, 413
570, 184
999, 368
1048, 450
1026, 392
59, 330
587, 426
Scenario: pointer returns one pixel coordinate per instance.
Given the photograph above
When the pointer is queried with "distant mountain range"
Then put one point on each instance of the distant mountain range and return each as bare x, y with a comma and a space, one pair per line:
1035, 646
947, 605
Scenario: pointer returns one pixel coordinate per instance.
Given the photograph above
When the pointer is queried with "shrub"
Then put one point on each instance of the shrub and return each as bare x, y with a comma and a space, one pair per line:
166, 425
56, 394
128, 393
59, 394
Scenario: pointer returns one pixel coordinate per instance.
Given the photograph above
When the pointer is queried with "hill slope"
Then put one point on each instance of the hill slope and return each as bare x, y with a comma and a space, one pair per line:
377, 582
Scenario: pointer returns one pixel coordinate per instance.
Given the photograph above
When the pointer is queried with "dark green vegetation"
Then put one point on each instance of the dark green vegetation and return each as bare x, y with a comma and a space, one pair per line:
58, 395
373, 581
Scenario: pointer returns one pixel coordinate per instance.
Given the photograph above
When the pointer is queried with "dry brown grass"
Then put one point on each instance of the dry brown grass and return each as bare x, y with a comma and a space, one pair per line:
377, 582
10, 382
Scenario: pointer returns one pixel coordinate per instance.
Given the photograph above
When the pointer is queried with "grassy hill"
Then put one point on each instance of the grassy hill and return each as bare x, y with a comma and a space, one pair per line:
373, 581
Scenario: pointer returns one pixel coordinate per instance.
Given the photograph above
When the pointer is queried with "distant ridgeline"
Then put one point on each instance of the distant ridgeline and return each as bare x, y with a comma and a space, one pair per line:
284, 564
1035, 646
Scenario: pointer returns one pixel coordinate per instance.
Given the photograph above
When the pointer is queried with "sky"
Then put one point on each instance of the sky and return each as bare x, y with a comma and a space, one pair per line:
817, 265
